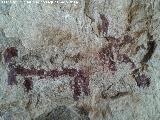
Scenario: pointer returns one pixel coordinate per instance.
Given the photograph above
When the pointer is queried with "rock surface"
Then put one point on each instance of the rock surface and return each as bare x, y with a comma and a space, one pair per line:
80, 60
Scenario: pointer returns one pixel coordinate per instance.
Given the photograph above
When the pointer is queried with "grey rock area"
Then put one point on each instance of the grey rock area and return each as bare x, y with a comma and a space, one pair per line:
63, 113
81, 60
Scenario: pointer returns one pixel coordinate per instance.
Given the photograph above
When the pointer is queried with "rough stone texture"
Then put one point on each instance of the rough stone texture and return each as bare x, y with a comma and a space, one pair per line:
97, 60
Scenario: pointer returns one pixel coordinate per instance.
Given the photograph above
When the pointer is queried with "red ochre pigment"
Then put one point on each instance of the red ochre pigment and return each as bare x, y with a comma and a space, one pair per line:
9, 53
81, 78
106, 55
79, 84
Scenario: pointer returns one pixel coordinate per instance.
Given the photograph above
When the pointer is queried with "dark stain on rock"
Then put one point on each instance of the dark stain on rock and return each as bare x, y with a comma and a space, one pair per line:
28, 83
25, 57
31, 55
87, 10
141, 79
119, 95
150, 50
53, 58
28, 105
104, 94
132, 12
82, 110
38, 99
77, 57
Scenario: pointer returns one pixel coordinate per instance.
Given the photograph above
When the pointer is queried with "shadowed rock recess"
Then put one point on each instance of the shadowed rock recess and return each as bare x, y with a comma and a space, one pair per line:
79, 60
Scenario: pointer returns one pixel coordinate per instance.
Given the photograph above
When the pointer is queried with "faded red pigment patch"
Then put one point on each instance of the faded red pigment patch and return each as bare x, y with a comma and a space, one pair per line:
107, 55
9, 54
104, 27
125, 59
12, 74
107, 58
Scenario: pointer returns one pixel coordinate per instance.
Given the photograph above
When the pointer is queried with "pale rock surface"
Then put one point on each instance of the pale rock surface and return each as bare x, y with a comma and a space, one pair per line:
75, 36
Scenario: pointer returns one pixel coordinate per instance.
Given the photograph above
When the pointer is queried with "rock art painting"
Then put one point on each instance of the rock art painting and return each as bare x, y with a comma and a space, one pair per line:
79, 60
